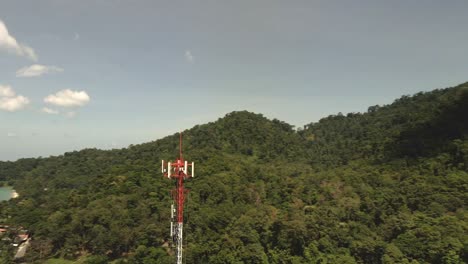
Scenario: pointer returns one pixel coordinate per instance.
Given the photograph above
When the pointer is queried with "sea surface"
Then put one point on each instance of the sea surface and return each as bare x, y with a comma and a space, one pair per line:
6, 193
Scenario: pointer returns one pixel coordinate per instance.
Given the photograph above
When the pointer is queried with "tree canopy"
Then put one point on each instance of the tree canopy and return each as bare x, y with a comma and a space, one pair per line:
386, 186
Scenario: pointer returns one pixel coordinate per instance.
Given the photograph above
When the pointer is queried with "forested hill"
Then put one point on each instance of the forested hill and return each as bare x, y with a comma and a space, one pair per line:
386, 186
422, 125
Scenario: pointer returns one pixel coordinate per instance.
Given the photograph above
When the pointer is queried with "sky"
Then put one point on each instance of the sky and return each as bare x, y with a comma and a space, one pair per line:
109, 73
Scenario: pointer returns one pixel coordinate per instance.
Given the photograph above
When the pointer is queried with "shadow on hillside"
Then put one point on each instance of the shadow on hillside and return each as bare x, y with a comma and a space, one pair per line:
434, 136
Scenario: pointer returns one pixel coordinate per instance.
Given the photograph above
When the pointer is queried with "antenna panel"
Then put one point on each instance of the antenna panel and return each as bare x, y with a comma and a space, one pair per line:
193, 169
168, 169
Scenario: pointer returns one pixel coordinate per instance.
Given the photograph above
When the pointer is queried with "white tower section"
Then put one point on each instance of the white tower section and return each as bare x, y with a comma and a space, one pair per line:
180, 227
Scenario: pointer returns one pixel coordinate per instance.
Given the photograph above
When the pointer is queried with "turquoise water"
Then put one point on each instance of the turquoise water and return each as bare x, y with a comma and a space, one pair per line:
5, 193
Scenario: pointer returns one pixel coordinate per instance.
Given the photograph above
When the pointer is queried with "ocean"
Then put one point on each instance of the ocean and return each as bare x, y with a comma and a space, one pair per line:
5, 193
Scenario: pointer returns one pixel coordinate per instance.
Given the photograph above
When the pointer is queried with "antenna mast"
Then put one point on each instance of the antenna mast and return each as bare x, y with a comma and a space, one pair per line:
179, 171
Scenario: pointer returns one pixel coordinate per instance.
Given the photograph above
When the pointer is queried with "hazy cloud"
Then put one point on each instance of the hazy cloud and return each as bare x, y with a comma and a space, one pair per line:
13, 104
37, 70
9, 101
70, 114
68, 98
8, 43
189, 57
68, 135
6, 91
76, 36
49, 111
11, 134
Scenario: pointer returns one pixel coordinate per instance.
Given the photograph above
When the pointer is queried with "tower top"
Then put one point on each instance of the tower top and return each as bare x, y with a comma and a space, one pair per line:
181, 157
179, 168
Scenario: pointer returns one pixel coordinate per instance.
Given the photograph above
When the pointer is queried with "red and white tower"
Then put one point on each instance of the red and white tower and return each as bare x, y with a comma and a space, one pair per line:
179, 171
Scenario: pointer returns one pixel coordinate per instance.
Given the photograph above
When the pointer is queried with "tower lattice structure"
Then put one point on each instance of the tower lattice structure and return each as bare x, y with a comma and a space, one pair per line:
179, 171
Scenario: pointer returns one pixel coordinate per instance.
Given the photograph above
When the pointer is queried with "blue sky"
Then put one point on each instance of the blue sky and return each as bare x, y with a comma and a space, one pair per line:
109, 73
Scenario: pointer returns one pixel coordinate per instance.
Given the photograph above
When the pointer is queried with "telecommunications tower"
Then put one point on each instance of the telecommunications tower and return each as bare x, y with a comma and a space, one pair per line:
179, 171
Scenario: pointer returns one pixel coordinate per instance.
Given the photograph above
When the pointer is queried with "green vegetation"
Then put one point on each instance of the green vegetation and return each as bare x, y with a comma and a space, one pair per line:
60, 261
386, 186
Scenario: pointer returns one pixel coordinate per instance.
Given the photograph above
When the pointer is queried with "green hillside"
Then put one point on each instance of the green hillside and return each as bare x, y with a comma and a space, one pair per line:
386, 186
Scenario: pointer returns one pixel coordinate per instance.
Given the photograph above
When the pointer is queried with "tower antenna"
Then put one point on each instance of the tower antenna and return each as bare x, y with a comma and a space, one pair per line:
180, 146
179, 171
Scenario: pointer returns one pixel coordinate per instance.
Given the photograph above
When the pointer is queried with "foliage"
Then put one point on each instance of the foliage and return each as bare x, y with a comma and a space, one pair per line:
386, 186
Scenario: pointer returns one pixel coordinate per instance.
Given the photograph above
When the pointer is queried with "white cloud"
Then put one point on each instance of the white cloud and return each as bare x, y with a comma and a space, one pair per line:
9, 44
68, 98
6, 91
9, 101
37, 70
13, 104
49, 111
11, 134
189, 57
